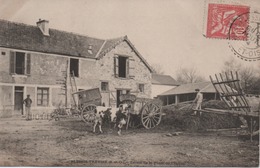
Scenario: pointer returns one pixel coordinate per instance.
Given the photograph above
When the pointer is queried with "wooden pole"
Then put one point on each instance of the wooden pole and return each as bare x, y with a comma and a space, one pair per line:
66, 84
251, 129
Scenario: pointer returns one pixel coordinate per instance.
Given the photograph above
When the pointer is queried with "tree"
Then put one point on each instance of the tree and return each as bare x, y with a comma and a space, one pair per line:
231, 65
158, 68
188, 75
248, 75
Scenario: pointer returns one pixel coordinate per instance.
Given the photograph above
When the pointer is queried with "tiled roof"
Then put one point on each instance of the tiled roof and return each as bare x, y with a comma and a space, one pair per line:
205, 87
28, 37
163, 80
190, 88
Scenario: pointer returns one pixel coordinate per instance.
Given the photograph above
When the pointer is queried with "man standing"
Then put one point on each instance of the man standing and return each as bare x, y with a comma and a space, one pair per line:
120, 119
198, 100
28, 103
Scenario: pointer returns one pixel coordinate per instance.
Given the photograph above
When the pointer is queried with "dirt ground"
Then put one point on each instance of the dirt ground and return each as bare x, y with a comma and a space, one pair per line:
70, 142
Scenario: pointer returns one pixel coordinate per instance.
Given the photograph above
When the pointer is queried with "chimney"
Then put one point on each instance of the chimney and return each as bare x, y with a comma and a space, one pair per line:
43, 26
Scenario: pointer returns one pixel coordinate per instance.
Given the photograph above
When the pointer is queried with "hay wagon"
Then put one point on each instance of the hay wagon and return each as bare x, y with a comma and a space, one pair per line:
141, 111
228, 86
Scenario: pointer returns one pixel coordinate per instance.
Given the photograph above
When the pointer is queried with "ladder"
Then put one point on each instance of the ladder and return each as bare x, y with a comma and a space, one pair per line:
73, 86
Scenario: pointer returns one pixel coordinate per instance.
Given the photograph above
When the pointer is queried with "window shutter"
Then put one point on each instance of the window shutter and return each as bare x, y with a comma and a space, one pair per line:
12, 62
127, 68
28, 64
116, 66
131, 68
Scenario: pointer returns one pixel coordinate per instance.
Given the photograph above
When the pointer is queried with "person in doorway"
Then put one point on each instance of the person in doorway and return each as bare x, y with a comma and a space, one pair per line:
120, 119
198, 100
28, 103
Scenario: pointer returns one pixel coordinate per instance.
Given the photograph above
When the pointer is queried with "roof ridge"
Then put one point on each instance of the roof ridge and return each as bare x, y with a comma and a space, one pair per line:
161, 74
206, 86
101, 48
68, 32
118, 40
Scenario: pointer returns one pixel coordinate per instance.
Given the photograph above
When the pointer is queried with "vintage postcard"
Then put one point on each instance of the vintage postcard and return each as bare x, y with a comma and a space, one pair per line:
173, 83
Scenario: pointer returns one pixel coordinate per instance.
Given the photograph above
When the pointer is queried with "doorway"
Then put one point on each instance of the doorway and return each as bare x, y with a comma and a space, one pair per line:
118, 93
18, 99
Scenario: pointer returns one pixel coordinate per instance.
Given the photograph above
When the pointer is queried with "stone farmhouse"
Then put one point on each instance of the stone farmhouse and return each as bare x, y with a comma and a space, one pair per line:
35, 58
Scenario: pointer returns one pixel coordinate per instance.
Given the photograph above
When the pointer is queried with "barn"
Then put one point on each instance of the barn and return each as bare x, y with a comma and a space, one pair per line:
186, 92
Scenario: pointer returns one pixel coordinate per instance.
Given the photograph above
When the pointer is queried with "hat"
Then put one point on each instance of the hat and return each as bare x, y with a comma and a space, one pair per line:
197, 90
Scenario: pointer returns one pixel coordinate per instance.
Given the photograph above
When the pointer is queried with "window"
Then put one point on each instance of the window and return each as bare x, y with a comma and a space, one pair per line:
104, 86
20, 63
74, 67
42, 96
124, 66
141, 88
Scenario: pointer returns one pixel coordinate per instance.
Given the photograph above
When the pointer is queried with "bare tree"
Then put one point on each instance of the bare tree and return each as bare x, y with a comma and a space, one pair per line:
231, 65
188, 75
248, 74
158, 68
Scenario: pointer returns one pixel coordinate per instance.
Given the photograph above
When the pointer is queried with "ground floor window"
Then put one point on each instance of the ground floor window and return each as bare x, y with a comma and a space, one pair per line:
104, 86
141, 88
42, 96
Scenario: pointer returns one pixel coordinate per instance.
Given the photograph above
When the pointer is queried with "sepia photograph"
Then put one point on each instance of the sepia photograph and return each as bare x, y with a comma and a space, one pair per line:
134, 83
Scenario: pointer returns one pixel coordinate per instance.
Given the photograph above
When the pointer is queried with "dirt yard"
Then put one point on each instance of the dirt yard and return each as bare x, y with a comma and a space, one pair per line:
69, 142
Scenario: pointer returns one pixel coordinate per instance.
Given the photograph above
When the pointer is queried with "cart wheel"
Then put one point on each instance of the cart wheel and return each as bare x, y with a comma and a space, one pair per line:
150, 115
88, 113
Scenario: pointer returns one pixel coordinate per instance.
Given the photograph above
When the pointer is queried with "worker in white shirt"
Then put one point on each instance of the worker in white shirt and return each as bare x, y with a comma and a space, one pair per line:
198, 100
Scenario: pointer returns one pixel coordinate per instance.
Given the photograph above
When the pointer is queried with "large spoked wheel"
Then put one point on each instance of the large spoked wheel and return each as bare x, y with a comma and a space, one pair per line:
151, 115
88, 113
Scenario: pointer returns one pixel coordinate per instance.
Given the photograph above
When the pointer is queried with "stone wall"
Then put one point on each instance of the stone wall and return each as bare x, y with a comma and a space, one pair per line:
46, 69
142, 73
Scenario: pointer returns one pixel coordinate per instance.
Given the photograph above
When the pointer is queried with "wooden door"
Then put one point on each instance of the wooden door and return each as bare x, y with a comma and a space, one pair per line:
18, 99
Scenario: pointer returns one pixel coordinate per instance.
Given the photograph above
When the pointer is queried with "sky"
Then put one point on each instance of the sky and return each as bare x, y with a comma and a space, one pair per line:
165, 32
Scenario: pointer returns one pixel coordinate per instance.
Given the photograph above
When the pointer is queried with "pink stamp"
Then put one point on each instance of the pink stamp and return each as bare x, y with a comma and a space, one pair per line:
227, 21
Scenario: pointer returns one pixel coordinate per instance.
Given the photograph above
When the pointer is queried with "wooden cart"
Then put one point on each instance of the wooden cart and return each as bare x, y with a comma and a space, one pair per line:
141, 111
87, 102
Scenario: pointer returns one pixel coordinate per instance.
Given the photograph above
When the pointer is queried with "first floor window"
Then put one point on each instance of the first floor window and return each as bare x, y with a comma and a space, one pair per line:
42, 96
20, 63
104, 86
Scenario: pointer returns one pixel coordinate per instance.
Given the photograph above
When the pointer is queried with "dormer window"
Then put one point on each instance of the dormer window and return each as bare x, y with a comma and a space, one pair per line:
90, 49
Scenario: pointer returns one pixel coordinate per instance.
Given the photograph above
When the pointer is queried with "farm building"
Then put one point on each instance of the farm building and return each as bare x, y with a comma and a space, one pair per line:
186, 92
36, 59
162, 83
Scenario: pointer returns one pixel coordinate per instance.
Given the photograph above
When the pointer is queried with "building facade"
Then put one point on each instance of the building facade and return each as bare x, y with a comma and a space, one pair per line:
38, 61
162, 83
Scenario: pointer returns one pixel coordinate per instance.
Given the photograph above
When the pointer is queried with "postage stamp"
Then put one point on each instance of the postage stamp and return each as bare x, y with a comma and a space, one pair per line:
226, 21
